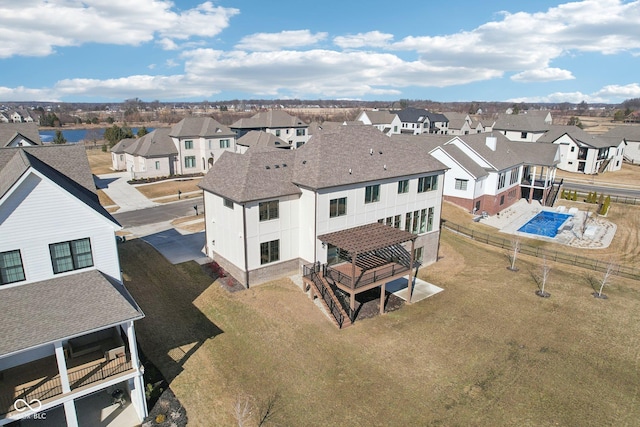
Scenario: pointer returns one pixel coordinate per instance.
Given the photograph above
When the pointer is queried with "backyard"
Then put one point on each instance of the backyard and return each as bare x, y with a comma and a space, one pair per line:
485, 351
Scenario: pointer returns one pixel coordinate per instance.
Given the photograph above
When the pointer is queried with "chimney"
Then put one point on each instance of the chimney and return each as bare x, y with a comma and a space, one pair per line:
492, 142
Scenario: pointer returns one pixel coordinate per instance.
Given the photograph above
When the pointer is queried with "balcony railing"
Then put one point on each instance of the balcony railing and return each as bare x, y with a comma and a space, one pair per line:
366, 278
50, 385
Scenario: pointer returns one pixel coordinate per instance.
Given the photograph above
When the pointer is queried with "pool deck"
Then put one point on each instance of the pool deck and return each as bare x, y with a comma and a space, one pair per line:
598, 235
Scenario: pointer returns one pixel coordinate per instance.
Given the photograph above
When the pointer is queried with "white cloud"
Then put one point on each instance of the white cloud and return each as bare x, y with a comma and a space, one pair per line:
36, 27
610, 94
543, 75
372, 39
281, 40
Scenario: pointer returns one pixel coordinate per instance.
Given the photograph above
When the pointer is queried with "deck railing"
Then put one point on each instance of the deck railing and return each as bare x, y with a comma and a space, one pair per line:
366, 278
98, 372
311, 271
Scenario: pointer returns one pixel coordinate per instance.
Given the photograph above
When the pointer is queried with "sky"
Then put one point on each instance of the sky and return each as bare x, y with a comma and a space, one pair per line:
190, 50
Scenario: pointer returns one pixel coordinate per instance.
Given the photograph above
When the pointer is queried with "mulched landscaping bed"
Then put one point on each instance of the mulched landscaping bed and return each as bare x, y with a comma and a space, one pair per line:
224, 279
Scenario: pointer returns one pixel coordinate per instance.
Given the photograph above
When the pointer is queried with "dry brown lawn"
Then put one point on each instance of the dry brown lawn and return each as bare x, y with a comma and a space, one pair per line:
99, 162
628, 175
104, 199
486, 351
191, 224
170, 188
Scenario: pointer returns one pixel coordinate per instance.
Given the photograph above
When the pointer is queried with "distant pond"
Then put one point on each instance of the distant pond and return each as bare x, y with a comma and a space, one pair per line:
76, 135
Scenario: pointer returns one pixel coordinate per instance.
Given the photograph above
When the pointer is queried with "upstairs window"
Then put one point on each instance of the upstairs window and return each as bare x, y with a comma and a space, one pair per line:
227, 203
461, 184
188, 144
427, 183
277, 132
300, 132
224, 143
72, 255
523, 135
11, 269
501, 179
372, 193
403, 186
269, 210
513, 176
337, 207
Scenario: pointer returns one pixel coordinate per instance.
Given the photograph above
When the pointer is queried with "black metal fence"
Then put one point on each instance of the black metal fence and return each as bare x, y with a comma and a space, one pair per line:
552, 255
614, 199
311, 271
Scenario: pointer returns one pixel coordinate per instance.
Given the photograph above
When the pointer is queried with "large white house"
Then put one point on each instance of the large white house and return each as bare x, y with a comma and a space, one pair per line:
67, 320
385, 121
290, 129
630, 135
583, 152
19, 134
526, 127
266, 209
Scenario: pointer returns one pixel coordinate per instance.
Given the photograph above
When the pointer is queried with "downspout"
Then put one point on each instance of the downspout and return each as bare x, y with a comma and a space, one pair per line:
244, 238
315, 228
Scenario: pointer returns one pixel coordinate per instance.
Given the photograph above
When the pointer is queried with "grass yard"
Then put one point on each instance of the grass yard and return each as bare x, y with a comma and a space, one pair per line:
628, 175
170, 188
487, 351
99, 161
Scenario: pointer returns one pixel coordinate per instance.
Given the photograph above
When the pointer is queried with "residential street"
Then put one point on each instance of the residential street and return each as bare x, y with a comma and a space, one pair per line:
160, 213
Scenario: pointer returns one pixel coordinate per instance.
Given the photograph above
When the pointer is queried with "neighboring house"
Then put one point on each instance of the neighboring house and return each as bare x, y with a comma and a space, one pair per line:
414, 121
4, 117
462, 124
15, 117
266, 210
583, 152
68, 321
523, 127
385, 121
151, 155
289, 128
630, 134
489, 173
200, 141
19, 134
256, 138
438, 123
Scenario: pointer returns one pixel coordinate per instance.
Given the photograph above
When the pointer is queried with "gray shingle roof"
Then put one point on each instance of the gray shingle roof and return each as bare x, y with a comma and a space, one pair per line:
43, 312
66, 165
628, 132
8, 131
262, 139
465, 161
412, 115
504, 156
200, 127
456, 120
269, 119
521, 122
331, 158
577, 134
380, 117
154, 144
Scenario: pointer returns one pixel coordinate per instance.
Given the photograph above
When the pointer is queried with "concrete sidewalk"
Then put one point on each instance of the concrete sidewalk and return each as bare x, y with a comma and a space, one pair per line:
122, 193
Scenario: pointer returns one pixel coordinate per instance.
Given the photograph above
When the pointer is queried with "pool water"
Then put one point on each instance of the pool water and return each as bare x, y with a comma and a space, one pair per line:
545, 224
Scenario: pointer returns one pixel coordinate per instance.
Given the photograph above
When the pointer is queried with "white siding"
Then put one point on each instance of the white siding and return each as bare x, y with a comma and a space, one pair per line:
224, 229
39, 213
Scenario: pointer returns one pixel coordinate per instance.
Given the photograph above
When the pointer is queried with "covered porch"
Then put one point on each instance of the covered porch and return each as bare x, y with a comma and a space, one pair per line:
369, 257
539, 183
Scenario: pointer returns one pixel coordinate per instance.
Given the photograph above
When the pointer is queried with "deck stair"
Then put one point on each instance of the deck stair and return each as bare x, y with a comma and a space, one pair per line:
321, 288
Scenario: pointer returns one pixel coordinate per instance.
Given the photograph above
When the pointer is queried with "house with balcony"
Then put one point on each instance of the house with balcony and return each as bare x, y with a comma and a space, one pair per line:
385, 121
630, 134
269, 212
68, 335
19, 134
488, 173
289, 128
583, 152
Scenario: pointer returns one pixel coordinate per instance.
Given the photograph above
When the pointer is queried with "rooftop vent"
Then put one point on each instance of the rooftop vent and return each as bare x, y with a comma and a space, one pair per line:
349, 171
277, 166
267, 167
284, 165
371, 151
304, 162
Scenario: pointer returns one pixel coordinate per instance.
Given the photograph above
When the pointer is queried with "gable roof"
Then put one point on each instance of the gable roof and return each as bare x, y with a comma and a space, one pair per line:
456, 120
576, 134
503, 157
412, 115
436, 117
381, 117
269, 120
9, 131
262, 139
65, 165
65, 306
521, 122
200, 127
628, 132
464, 161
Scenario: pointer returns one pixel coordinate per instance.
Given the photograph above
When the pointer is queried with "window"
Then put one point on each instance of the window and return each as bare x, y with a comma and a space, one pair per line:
430, 220
11, 267
227, 203
190, 162
269, 210
423, 220
299, 132
396, 221
372, 193
461, 184
502, 200
573, 148
73, 255
427, 183
501, 179
407, 222
418, 253
395, 129
523, 135
157, 165
269, 251
337, 207
403, 186
277, 132
299, 144
513, 176
188, 144
224, 143
416, 222
389, 221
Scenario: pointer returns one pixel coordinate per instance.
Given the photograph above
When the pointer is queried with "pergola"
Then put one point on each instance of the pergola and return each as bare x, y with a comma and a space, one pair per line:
374, 256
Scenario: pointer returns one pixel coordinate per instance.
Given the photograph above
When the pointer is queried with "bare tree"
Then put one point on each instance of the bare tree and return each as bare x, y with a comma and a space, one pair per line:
513, 254
606, 277
545, 269
242, 409
250, 411
584, 223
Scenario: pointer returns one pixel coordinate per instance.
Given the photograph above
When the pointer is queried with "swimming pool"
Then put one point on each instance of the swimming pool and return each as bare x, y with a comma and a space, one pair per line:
545, 224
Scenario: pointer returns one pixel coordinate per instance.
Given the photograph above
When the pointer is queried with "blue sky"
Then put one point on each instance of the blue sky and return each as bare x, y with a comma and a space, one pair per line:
186, 50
